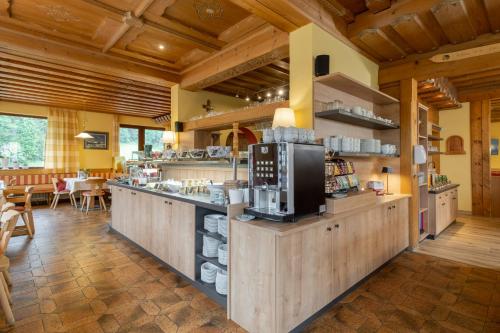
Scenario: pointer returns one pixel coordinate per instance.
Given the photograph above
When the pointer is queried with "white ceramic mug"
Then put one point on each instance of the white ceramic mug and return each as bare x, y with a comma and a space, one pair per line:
279, 134
357, 110
267, 135
236, 195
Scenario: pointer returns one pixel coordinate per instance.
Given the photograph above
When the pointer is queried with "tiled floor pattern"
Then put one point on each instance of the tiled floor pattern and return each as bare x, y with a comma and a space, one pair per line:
75, 276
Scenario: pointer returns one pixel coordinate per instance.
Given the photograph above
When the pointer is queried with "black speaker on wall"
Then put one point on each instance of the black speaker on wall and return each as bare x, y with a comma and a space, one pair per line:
322, 65
178, 126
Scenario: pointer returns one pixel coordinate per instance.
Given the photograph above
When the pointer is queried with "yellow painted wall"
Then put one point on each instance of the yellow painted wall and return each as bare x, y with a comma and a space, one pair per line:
495, 134
458, 167
99, 122
308, 42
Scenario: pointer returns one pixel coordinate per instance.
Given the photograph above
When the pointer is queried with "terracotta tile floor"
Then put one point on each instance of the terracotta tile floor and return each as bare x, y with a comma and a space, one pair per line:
75, 276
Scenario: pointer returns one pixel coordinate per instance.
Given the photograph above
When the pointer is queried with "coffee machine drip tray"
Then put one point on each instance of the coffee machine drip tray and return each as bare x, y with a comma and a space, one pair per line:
270, 214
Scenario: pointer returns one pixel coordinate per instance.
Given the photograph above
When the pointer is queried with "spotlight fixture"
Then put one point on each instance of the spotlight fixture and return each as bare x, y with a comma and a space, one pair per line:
268, 94
247, 99
237, 95
259, 97
281, 92
161, 47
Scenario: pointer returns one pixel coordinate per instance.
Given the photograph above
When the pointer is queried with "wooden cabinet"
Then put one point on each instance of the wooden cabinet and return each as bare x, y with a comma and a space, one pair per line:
443, 209
278, 280
181, 238
162, 226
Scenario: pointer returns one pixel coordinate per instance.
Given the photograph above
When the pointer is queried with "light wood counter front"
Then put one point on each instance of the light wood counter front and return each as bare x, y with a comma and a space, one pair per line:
282, 274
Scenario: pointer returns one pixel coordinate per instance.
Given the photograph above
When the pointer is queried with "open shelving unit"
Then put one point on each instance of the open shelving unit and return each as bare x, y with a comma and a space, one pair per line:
338, 86
423, 139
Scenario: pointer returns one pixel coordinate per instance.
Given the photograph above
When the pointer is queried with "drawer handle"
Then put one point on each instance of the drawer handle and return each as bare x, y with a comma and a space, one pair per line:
166, 202
329, 229
170, 203
133, 193
393, 206
443, 204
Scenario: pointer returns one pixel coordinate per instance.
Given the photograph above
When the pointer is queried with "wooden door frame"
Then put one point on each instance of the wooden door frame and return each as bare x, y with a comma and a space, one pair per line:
480, 118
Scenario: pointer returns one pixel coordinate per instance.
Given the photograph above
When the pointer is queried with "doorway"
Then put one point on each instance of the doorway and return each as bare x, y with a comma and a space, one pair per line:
495, 157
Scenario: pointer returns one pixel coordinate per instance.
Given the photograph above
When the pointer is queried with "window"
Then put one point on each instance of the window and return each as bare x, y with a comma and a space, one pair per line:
22, 141
133, 138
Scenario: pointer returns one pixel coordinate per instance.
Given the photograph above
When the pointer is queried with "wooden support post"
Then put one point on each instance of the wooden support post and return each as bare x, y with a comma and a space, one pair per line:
409, 133
236, 130
480, 157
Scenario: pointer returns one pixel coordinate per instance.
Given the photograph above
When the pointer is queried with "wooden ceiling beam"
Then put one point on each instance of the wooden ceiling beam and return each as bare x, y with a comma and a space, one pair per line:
241, 29
489, 91
425, 69
369, 20
336, 7
41, 47
376, 6
493, 12
259, 49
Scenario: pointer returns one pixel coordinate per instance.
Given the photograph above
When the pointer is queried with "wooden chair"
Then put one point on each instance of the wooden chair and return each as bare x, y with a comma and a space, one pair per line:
8, 221
26, 212
96, 190
57, 195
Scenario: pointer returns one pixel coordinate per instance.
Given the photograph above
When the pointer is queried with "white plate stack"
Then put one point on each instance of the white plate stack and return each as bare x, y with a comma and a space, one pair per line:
210, 246
211, 222
221, 282
223, 254
222, 225
208, 272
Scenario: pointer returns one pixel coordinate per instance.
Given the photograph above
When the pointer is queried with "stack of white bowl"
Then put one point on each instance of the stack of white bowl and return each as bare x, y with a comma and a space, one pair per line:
370, 146
389, 149
223, 254
222, 225
210, 246
221, 282
211, 222
208, 272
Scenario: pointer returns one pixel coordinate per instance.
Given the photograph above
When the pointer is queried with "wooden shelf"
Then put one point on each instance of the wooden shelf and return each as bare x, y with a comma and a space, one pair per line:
423, 137
354, 119
423, 236
436, 128
434, 138
435, 153
348, 154
423, 184
252, 115
355, 88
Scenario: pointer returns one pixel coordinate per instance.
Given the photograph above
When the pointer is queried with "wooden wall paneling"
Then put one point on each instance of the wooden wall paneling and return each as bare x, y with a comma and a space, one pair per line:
409, 130
376, 6
378, 41
480, 157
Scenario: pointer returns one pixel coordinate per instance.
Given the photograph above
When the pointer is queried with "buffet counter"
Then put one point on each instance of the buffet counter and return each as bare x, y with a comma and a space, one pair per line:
283, 274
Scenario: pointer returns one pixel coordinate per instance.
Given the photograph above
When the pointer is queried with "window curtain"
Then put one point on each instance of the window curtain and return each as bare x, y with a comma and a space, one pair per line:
61, 147
115, 137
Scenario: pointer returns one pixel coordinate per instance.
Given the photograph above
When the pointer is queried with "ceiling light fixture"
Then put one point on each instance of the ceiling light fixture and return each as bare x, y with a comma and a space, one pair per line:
83, 134
269, 94
259, 97
161, 47
247, 99
281, 92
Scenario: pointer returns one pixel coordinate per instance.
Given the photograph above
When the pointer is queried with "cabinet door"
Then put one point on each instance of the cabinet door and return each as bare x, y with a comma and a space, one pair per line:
340, 262
400, 217
305, 269
142, 221
454, 204
161, 209
117, 208
181, 238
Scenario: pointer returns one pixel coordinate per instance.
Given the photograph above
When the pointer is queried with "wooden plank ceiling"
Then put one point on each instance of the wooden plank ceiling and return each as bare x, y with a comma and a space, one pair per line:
135, 50
122, 56
272, 79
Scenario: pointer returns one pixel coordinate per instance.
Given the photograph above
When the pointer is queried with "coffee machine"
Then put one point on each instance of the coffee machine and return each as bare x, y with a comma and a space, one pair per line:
286, 180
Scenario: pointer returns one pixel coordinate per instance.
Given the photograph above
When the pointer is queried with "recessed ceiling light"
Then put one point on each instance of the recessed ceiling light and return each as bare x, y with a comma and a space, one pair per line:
269, 94
161, 47
281, 92
247, 99
259, 97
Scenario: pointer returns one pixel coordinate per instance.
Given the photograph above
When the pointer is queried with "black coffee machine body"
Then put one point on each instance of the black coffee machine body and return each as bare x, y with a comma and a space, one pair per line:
286, 180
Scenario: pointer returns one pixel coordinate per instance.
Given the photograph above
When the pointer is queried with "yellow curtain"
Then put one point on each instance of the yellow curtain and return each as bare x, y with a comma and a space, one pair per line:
115, 137
61, 147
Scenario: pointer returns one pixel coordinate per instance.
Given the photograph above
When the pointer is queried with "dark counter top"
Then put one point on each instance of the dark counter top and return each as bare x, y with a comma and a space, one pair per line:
197, 200
444, 188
